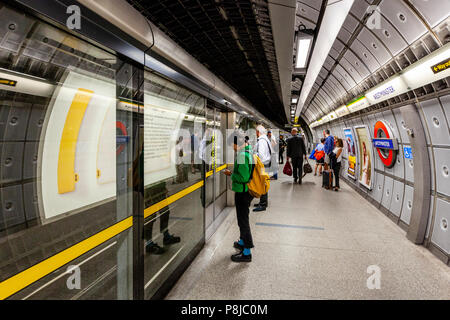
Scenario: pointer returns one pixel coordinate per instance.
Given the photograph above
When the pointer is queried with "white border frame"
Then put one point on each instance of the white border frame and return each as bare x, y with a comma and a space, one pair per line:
372, 165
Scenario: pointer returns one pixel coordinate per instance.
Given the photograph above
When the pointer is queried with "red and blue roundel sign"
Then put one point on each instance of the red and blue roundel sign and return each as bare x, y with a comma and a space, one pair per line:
385, 143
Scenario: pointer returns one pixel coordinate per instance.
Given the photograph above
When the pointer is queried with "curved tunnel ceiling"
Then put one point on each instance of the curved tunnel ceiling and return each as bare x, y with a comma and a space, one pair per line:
231, 38
362, 57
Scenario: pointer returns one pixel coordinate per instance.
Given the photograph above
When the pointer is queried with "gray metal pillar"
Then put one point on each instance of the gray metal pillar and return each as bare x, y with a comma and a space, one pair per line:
422, 174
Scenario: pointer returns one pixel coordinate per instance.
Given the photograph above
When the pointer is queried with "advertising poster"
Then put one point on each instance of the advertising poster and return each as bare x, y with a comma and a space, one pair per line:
78, 160
365, 156
351, 148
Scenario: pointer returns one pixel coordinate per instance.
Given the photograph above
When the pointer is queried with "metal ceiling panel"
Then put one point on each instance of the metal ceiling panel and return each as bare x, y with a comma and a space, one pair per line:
374, 45
337, 84
323, 73
346, 75
434, 12
404, 19
329, 62
307, 12
341, 80
391, 37
338, 46
344, 35
359, 9
324, 97
334, 53
331, 90
365, 55
351, 70
357, 64
350, 23
316, 4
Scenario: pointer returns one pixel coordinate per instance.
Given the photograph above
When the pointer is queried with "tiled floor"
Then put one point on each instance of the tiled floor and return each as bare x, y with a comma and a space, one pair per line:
328, 261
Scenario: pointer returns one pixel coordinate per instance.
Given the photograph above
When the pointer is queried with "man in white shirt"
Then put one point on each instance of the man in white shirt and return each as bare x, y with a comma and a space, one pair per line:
264, 151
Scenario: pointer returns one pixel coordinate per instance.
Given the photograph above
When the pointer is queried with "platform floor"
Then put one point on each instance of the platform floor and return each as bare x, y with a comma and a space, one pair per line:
314, 244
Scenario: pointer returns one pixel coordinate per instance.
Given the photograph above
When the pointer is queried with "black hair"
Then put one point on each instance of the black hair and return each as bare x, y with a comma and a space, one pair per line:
327, 131
322, 140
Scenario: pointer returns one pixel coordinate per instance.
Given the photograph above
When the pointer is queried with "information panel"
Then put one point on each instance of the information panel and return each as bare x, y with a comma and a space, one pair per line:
162, 122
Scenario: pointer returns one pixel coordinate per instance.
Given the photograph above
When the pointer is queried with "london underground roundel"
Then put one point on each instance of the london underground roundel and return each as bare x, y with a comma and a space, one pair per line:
385, 143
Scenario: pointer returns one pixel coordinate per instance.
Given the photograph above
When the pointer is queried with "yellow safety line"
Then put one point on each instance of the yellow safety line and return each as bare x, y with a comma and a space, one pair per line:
25, 278
164, 203
67, 148
177, 196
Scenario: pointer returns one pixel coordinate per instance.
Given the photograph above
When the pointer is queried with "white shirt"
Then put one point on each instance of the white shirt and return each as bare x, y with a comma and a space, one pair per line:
338, 159
264, 149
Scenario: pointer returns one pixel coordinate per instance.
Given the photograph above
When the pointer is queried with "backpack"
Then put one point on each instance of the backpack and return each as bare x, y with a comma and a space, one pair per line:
259, 183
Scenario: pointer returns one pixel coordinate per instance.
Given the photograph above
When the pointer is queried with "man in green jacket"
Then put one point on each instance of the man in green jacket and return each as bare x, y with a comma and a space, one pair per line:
240, 177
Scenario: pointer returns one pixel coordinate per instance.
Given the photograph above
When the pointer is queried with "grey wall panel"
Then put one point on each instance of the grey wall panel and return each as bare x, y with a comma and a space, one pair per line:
445, 101
30, 201
30, 160
442, 158
17, 122
407, 204
11, 211
399, 167
397, 198
11, 161
441, 228
4, 113
387, 192
357, 64
401, 126
391, 121
432, 169
379, 187
409, 170
429, 226
436, 121
35, 125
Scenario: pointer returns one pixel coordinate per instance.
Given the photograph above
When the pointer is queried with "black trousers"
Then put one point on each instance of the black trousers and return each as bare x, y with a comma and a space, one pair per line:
297, 168
264, 199
164, 214
336, 171
280, 157
243, 200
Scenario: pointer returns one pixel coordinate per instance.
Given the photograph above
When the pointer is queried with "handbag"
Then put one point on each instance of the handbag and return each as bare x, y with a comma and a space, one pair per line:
287, 170
307, 168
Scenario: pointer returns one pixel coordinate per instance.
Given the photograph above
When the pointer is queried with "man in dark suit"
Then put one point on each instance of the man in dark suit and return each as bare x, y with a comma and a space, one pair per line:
296, 151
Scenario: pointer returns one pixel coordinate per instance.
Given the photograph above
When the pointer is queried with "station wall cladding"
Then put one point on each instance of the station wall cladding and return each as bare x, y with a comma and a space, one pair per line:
392, 183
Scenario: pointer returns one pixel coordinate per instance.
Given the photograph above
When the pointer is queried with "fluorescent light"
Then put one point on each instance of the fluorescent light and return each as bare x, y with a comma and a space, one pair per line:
333, 19
303, 47
294, 100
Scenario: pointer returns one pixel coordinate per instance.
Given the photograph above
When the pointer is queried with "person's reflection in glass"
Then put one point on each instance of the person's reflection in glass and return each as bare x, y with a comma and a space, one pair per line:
179, 154
156, 194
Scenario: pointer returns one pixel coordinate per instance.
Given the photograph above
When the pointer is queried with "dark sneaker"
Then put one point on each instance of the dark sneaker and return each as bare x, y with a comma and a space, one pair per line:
238, 246
240, 257
171, 240
153, 248
258, 209
257, 205
300, 182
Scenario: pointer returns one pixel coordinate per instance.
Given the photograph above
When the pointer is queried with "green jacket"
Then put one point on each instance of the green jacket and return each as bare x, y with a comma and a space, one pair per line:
242, 170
